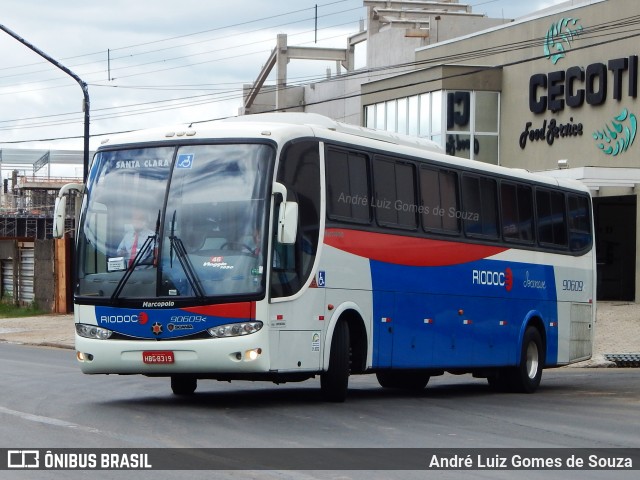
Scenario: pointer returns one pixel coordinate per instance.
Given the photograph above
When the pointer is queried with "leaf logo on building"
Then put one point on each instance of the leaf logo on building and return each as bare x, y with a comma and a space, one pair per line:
616, 138
559, 38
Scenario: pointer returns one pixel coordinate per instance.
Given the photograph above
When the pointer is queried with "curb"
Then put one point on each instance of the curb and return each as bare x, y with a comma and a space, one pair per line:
597, 361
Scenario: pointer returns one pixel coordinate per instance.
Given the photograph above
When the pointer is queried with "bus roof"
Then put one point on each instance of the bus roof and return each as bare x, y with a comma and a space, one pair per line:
284, 126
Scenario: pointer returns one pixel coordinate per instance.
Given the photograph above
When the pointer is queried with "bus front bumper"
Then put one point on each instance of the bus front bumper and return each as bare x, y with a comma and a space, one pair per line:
233, 355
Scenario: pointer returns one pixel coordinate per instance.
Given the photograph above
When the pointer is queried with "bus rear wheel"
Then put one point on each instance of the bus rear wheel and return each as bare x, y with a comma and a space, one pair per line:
182, 385
525, 378
334, 383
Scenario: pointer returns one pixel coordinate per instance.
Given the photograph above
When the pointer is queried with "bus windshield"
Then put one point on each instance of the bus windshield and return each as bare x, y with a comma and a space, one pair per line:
177, 221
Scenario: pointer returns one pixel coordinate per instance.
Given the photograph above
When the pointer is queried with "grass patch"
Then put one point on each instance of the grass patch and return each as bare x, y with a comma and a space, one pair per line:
8, 310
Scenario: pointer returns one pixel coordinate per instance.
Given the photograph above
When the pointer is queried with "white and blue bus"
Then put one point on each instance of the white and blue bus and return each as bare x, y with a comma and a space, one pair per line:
281, 247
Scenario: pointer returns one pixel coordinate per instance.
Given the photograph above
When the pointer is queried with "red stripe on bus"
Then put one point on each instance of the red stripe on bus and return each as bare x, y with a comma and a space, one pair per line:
229, 310
412, 251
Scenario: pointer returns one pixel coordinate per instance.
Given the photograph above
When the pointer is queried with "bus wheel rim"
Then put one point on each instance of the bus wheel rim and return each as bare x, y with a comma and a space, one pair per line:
532, 360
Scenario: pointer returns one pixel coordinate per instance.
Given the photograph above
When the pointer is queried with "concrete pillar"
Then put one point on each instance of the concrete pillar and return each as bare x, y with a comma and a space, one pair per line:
282, 59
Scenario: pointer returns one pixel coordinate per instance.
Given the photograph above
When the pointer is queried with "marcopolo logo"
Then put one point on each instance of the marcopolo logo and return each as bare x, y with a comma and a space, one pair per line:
491, 278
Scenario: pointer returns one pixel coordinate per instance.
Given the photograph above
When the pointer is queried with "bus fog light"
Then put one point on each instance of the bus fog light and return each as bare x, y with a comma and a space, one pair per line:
84, 357
252, 354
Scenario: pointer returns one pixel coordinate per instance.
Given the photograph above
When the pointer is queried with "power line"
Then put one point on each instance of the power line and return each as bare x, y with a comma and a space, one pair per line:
148, 72
587, 34
102, 71
159, 101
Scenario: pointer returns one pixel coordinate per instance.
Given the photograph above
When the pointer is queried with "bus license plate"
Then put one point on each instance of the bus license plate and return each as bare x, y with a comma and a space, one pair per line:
158, 357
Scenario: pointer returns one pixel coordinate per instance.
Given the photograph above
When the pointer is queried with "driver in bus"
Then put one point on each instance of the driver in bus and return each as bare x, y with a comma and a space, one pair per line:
135, 238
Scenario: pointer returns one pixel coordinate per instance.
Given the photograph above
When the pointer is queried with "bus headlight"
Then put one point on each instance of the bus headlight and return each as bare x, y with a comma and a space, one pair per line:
234, 329
91, 331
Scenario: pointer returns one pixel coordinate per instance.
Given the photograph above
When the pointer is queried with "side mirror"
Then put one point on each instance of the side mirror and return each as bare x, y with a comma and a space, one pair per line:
59, 216
287, 218
288, 223
60, 209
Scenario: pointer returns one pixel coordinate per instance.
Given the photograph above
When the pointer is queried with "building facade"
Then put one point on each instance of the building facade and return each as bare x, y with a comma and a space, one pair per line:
556, 91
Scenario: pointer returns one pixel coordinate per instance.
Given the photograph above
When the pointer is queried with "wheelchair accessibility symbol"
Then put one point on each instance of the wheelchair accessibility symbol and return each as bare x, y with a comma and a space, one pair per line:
321, 279
185, 160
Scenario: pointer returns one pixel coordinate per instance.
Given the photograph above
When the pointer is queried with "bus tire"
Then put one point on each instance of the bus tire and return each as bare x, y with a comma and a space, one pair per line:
334, 383
181, 385
404, 380
499, 381
525, 378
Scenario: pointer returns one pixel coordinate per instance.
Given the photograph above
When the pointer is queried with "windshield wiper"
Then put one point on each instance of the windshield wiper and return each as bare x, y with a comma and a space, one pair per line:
142, 253
183, 257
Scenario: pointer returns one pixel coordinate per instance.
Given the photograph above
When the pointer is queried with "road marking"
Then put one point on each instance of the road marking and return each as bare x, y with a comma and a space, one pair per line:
47, 420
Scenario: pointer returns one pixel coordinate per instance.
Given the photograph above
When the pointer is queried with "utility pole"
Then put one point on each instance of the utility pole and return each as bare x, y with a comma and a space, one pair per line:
83, 85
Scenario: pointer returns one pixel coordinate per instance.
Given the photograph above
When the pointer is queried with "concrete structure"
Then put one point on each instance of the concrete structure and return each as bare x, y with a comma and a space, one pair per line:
30, 183
555, 91
395, 30
34, 268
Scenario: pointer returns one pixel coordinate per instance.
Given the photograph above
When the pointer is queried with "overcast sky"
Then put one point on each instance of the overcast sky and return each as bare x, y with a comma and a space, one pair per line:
170, 61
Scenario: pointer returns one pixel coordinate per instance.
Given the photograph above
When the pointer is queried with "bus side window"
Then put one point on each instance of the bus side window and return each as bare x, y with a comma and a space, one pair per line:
439, 200
480, 206
579, 223
552, 224
347, 186
517, 212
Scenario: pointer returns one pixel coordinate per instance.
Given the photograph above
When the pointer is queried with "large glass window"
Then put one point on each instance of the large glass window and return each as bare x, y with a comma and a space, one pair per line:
119, 224
394, 193
424, 117
517, 212
403, 107
439, 195
208, 241
486, 110
552, 225
480, 206
464, 123
391, 116
347, 186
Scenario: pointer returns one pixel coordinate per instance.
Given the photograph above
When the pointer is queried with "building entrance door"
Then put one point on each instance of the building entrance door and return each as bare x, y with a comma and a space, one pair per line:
615, 224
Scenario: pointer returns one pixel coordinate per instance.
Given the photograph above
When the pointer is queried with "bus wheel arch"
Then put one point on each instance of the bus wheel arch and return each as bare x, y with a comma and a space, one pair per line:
525, 376
345, 352
358, 338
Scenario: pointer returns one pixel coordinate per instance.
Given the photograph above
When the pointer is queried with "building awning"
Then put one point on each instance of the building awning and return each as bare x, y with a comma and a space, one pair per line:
602, 181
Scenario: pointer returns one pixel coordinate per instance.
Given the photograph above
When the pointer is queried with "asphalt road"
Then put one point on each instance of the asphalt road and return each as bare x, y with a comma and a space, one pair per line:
47, 403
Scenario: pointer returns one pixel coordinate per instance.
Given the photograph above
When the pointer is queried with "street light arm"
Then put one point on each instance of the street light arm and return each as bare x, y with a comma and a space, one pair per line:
83, 85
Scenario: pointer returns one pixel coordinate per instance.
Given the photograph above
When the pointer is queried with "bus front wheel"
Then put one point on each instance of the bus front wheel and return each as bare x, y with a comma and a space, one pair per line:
334, 382
183, 385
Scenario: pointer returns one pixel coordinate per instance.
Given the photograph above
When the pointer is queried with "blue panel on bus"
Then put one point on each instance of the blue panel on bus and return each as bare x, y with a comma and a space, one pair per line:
157, 323
464, 315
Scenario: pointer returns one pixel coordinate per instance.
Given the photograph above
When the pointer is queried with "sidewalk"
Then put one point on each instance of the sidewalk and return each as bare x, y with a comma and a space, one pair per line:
617, 331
